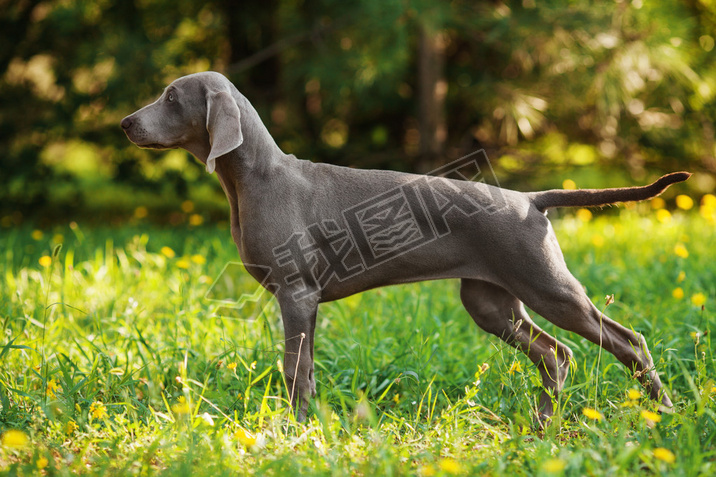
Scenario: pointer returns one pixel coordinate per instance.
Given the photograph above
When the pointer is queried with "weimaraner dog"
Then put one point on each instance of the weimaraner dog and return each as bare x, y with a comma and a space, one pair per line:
312, 233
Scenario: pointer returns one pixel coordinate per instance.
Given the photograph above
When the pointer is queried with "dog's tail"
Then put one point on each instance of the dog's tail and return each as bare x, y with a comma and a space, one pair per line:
595, 197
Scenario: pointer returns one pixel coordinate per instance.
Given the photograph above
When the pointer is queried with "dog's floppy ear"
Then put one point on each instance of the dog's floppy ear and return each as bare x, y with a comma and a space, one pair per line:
223, 121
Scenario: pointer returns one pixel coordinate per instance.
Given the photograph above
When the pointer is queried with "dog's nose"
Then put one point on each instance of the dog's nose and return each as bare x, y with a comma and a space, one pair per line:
126, 123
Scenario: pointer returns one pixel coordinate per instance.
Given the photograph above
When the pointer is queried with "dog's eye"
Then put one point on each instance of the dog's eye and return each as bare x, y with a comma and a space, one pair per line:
170, 97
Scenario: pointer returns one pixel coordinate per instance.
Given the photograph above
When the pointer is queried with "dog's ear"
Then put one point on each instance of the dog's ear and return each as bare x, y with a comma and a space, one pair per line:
223, 121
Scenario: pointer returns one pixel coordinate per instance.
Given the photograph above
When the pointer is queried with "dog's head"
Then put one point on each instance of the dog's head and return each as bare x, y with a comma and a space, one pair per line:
196, 112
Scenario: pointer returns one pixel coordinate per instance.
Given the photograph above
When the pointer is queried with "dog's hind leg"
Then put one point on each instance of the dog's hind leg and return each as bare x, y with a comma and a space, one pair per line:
498, 312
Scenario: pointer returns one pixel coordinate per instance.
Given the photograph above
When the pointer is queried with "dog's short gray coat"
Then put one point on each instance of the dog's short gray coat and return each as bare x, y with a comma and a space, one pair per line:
297, 221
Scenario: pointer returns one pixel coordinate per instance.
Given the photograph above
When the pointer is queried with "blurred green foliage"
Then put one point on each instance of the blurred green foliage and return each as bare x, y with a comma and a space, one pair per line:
601, 91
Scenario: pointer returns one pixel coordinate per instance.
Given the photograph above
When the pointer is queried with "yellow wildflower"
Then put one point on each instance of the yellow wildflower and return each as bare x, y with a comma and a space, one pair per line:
71, 427
141, 212
658, 203
554, 466
168, 252
52, 387
245, 438
585, 215
183, 263
634, 394
515, 368
97, 410
450, 466
678, 293
37, 235
650, 417
569, 184
45, 261
396, 398
195, 220
42, 462
427, 471
684, 202
680, 250
14, 439
698, 299
231, 366
663, 216
592, 414
187, 206
181, 407
709, 200
198, 259
664, 454
681, 277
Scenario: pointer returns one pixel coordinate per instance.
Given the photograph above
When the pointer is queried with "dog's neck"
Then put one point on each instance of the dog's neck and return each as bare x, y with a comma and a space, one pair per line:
248, 164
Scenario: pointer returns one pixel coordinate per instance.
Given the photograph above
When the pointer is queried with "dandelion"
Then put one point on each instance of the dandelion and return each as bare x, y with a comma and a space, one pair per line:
198, 259
665, 455
71, 427
450, 466
684, 202
168, 252
14, 439
515, 368
634, 394
196, 220
680, 250
709, 200
569, 184
592, 414
584, 215
658, 203
187, 206
246, 439
698, 299
97, 410
231, 366
694, 336
650, 417
45, 261
141, 212
183, 263
678, 293
52, 386
663, 216
427, 471
681, 277
181, 407
42, 462
553, 466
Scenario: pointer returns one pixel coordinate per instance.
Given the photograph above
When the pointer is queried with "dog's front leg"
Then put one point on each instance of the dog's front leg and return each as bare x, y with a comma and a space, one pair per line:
299, 323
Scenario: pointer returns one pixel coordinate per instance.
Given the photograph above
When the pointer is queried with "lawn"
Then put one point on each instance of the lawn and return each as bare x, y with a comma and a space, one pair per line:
114, 362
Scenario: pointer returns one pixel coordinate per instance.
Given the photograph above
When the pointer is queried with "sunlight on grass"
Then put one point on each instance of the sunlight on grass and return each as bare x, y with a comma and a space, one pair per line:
140, 377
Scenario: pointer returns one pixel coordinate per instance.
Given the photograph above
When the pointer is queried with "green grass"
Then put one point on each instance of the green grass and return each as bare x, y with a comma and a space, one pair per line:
114, 320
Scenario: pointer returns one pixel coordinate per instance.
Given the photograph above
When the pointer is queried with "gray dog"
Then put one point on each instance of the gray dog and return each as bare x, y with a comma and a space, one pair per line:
313, 233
